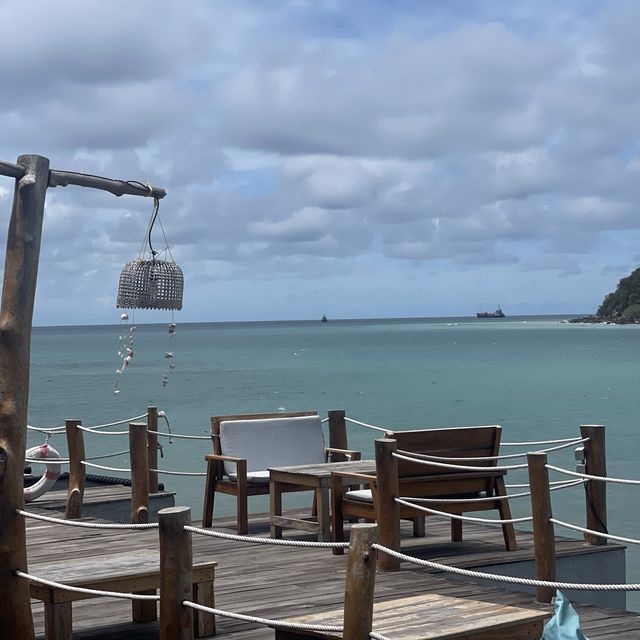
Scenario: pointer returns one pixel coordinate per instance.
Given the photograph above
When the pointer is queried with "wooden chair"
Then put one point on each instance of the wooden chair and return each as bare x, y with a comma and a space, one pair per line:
418, 480
246, 445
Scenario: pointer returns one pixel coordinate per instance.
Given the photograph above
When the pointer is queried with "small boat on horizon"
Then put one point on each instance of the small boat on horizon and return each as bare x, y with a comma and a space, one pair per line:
498, 313
324, 318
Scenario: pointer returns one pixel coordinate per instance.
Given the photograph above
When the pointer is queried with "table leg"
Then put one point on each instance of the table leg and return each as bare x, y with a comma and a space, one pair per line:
144, 610
324, 520
57, 621
204, 624
275, 500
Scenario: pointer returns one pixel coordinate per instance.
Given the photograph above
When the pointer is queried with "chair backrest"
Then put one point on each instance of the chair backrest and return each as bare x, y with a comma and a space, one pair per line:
274, 440
451, 443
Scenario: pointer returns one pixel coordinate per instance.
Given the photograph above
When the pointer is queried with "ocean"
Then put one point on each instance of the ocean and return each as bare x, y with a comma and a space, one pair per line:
538, 377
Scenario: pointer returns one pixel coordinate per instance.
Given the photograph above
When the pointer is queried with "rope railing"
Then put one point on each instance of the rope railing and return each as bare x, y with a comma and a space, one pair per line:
280, 624
587, 476
551, 484
179, 473
600, 534
535, 443
364, 424
272, 541
86, 525
508, 579
94, 592
103, 433
178, 435
409, 456
454, 516
46, 461
61, 429
105, 468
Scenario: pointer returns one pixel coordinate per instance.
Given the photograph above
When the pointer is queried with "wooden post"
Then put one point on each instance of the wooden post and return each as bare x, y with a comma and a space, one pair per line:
176, 562
139, 472
359, 587
152, 443
388, 510
544, 540
77, 471
596, 491
337, 434
16, 315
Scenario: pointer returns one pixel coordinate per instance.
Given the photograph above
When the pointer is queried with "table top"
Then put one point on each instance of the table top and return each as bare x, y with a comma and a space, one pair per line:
322, 471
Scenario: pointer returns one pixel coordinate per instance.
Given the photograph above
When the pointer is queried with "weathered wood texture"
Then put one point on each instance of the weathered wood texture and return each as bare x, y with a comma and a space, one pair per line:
544, 534
596, 491
176, 557
282, 583
20, 275
139, 472
388, 510
152, 444
77, 472
117, 187
360, 582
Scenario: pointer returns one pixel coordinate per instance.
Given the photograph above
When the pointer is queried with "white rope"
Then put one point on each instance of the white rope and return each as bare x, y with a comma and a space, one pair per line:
508, 456
567, 483
325, 420
594, 533
103, 433
94, 592
536, 442
46, 461
280, 624
408, 456
453, 516
377, 636
471, 500
177, 435
126, 420
109, 455
51, 431
100, 466
364, 424
179, 473
590, 477
87, 525
510, 579
275, 541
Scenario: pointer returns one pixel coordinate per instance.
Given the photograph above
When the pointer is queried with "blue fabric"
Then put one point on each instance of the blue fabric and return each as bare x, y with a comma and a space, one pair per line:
565, 624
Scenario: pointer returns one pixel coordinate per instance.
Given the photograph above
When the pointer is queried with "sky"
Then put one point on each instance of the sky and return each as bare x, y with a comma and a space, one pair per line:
354, 158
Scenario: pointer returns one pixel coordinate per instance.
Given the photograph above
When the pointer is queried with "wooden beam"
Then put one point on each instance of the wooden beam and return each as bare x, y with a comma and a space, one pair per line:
77, 471
117, 187
11, 170
16, 316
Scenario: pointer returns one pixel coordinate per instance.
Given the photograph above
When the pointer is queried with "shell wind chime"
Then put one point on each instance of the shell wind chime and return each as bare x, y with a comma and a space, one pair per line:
148, 282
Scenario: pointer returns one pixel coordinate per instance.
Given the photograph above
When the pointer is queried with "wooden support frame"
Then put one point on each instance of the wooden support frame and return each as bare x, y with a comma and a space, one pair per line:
77, 470
32, 177
595, 491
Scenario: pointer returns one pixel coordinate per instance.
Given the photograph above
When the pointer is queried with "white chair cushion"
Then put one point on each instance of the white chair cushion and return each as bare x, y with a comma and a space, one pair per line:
362, 495
272, 442
257, 477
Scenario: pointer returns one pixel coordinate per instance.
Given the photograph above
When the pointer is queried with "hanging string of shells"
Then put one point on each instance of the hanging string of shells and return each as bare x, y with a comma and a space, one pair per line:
152, 281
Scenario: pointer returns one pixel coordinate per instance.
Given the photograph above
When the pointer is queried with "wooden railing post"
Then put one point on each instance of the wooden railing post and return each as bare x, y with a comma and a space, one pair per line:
77, 470
337, 434
139, 472
596, 491
387, 508
176, 569
18, 293
544, 541
360, 583
152, 447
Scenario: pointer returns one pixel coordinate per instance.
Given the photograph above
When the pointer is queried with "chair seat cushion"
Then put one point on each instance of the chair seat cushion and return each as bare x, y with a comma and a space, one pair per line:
255, 477
272, 442
361, 495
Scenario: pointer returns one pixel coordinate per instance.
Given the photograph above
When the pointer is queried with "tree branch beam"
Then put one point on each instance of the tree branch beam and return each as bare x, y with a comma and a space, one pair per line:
117, 187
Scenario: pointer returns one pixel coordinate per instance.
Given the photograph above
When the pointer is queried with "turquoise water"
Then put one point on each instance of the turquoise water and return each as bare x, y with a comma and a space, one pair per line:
537, 377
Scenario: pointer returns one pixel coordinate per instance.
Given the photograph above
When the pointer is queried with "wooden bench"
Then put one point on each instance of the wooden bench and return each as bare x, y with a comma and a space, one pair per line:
451, 487
434, 617
130, 572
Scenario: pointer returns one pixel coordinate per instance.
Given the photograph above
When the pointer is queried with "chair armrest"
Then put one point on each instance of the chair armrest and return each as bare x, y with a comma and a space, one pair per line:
347, 453
345, 477
215, 457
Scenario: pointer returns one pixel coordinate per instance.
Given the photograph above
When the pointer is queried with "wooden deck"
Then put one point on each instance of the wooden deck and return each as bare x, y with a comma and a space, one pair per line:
286, 582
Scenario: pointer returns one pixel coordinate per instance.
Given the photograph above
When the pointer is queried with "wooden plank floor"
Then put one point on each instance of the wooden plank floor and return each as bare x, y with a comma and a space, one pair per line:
283, 582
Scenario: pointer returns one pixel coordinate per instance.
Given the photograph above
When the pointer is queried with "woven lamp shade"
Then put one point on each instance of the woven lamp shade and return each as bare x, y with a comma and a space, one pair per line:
150, 284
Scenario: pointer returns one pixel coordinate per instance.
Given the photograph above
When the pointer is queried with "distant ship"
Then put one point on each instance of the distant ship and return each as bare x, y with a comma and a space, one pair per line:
498, 313
324, 318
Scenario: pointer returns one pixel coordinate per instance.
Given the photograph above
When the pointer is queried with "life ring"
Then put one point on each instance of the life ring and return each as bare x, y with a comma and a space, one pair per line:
49, 477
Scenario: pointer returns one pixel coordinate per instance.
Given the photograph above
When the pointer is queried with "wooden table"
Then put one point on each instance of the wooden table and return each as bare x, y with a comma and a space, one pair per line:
434, 617
316, 477
129, 572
